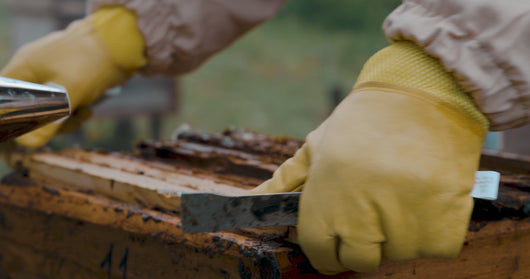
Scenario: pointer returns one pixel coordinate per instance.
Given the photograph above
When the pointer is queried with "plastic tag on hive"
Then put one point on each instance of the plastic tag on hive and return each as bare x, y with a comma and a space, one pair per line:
486, 185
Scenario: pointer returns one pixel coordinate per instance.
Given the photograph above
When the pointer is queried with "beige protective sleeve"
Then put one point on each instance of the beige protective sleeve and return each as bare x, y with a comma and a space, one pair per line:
484, 43
182, 34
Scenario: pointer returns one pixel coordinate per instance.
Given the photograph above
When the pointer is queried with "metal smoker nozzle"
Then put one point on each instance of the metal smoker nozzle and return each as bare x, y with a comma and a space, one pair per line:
26, 106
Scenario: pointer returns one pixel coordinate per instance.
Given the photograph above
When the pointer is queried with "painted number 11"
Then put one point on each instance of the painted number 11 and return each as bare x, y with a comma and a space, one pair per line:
107, 262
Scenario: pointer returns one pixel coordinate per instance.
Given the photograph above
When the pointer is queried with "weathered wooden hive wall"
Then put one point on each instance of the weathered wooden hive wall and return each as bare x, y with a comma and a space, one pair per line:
95, 214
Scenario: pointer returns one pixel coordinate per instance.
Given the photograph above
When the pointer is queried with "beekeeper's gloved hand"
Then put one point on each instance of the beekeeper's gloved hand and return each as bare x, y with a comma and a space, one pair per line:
389, 173
93, 54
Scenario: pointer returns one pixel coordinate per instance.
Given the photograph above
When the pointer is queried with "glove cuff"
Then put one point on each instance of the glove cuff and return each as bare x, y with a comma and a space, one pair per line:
405, 64
117, 27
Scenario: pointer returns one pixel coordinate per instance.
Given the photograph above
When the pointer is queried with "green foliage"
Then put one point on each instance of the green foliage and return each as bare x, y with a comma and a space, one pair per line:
340, 14
278, 78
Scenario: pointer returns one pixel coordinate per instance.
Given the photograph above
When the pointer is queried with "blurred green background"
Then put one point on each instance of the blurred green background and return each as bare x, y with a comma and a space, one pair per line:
278, 79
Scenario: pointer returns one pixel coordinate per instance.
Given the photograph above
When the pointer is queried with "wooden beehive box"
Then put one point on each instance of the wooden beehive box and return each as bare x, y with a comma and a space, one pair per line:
93, 214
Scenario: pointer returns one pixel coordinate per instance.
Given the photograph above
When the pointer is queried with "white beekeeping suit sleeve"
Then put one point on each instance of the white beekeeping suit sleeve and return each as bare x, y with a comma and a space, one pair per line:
485, 43
181, 34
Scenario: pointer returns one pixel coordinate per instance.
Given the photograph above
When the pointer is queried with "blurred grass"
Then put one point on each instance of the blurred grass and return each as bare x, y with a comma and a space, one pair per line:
4, 33
275, 80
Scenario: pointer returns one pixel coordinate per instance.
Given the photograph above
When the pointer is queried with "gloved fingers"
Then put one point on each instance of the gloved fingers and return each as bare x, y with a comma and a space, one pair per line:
412, 244
38, 137
434, 233
338, 237
358, 255
6, 149
319, 244
19, 68
447, 233
80, 116
290, 176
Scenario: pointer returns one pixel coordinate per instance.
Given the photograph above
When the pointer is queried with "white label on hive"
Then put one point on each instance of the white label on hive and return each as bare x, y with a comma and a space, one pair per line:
486, 185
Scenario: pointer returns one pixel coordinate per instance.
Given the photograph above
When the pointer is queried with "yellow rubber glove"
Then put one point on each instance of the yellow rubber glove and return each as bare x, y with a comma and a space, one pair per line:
389, 173
90, 56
